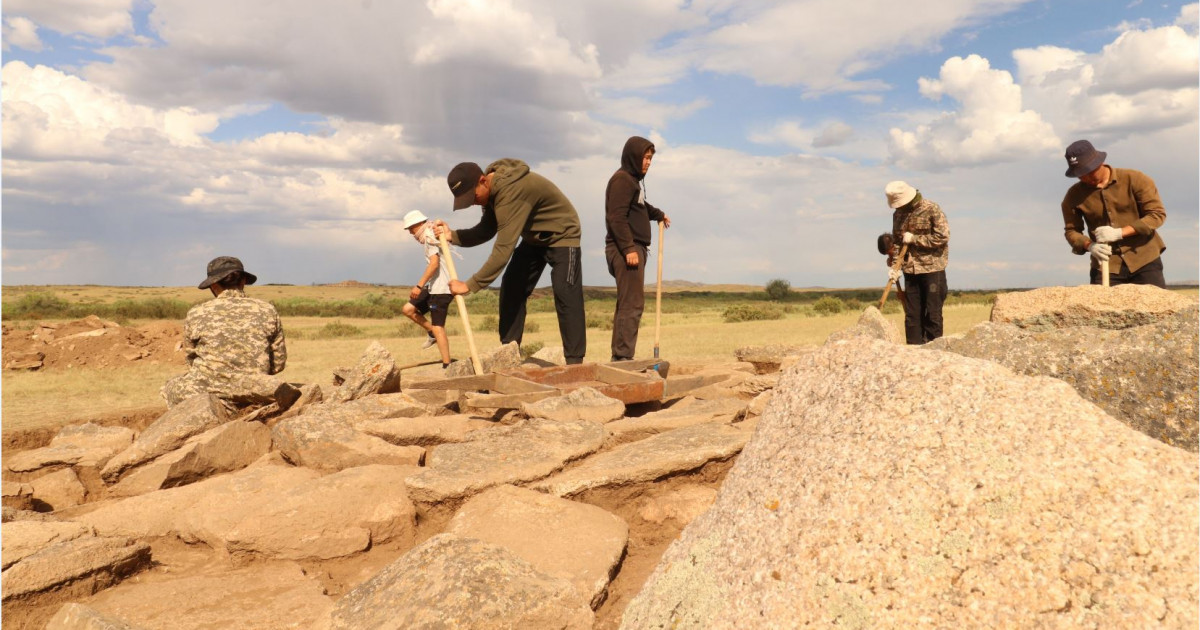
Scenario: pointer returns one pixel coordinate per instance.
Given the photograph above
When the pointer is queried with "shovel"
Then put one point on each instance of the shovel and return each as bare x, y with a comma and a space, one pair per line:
887, 288
658, 290
462, 305
1104, 272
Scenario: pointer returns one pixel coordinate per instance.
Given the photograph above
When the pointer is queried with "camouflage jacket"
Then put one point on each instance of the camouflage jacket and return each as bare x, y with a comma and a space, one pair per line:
930, 251
234, 334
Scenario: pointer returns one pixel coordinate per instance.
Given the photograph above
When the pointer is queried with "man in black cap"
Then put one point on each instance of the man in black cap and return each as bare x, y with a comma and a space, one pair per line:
1120, 210
234, 344
519, 204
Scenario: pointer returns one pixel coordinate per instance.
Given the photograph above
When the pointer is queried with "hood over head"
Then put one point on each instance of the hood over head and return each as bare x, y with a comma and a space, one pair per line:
632, 154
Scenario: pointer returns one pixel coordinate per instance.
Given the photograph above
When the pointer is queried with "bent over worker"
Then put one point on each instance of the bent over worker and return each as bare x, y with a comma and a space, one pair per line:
627, 216
520, 204
1121, 211
234, 344
921, 224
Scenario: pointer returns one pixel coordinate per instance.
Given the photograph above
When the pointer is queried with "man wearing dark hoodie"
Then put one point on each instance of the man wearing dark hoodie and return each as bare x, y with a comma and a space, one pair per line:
627, 216
520, 204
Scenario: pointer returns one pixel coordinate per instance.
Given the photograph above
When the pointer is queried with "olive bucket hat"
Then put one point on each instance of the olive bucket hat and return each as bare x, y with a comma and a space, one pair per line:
222, 266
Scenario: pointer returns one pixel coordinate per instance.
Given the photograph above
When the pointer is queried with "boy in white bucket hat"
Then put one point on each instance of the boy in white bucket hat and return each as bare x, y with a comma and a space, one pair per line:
431, 295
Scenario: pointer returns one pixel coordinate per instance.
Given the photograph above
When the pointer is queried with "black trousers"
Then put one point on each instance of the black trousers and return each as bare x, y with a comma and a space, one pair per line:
924, 294
566, 276
631, 300
1150, 273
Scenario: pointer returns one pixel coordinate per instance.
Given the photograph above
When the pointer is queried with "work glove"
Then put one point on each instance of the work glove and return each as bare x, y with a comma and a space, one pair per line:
909, 237
893, 275
1100, 251
1108, 234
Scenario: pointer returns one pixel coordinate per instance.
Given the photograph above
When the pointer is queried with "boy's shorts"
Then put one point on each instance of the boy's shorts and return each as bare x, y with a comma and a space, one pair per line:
435, 305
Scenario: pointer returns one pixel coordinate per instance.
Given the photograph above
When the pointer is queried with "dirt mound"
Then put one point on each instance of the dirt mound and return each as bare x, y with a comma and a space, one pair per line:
91, 342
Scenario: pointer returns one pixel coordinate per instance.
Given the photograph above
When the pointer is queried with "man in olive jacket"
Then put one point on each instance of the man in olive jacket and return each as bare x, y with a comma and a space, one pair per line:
519, 204
1121, 211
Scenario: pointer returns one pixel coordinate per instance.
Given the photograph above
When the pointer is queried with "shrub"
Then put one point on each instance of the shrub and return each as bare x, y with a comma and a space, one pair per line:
853, 304
531, 348
892, 306
778, 289
829, 305
337, 330
487, 323
599, 321
751, 312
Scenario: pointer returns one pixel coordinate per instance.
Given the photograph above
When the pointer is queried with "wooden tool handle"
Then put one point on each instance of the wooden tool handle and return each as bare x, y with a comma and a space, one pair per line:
1104, 272
658, 290
462, 304
887, 288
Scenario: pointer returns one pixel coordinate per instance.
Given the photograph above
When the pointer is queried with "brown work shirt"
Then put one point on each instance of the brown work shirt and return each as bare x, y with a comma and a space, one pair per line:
1129, 198
930, 250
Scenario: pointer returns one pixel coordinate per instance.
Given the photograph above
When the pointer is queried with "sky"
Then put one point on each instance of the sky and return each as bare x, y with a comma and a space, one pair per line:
141, 138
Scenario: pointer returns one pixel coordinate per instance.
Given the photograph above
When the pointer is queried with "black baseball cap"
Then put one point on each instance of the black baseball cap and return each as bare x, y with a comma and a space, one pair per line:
462, 180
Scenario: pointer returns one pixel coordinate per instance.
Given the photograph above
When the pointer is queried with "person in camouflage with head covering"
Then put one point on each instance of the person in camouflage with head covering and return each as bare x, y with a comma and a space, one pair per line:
234, 344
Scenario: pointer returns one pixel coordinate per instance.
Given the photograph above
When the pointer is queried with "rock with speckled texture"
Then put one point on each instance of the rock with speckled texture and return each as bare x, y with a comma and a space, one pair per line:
1115, 308
583, 403
893, 487
871, 324
1145, 376
462, 583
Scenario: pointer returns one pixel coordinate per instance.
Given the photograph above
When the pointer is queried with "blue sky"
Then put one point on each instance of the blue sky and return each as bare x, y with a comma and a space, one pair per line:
142, 138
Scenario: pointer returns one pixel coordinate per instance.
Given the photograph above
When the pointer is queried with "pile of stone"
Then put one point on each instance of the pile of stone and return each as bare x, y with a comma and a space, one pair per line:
863, 483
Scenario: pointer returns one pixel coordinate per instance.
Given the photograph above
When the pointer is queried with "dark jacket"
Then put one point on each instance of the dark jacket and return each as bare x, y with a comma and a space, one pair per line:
522, 205
627, 215
1129, 198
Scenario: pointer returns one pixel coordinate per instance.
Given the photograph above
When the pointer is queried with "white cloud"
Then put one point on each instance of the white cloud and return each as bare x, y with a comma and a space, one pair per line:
1189, 17
793, 133
990, 126
95, 18
641, 112
834, 134
1143, 80
22, 33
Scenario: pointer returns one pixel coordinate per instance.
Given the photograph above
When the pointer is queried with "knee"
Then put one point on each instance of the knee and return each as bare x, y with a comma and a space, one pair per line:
409, 310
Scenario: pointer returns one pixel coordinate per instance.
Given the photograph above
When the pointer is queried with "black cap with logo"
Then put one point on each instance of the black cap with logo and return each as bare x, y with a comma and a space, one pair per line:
462, 180
1083, 158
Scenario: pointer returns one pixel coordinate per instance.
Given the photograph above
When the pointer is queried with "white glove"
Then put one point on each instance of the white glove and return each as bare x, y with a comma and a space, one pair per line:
1108, 234
893, 275
1100, 251
909, 237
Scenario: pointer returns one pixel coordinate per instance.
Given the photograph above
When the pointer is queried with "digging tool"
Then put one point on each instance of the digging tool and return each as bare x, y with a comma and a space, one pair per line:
1104, 272
658, 290
887, 288
462, 304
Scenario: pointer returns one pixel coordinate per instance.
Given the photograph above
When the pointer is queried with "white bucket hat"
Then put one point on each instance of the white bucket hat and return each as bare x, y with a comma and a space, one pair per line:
413, 218
899, 194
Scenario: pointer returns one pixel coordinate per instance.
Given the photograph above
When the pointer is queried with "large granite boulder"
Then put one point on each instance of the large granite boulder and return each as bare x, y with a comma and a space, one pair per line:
575, 541
461, 583
190, 417
83, 445
1144, 376
1092, 305
871, 324
510, 454
894, 487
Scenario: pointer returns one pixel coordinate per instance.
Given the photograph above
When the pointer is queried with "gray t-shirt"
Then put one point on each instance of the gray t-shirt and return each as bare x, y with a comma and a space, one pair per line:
439, 284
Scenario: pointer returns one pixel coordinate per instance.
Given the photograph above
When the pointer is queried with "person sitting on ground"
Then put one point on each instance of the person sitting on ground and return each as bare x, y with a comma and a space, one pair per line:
431, 294
1114, 214
234, 345
627, 215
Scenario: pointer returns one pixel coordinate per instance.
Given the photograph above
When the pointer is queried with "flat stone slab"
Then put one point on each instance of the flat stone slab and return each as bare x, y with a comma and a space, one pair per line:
425, 431
102, 561
895, 487
583, 403
57, 490
527, 451
461, 583
1115, 308
681, 505
326, 441
190, 417
17, 495
685, 413
653, 458
225, 448
265, 596
85, 445
575, 541
75, 616
21, 539
766, 359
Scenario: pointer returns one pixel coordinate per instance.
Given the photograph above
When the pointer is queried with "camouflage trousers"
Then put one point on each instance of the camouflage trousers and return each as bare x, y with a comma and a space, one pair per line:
239, 390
